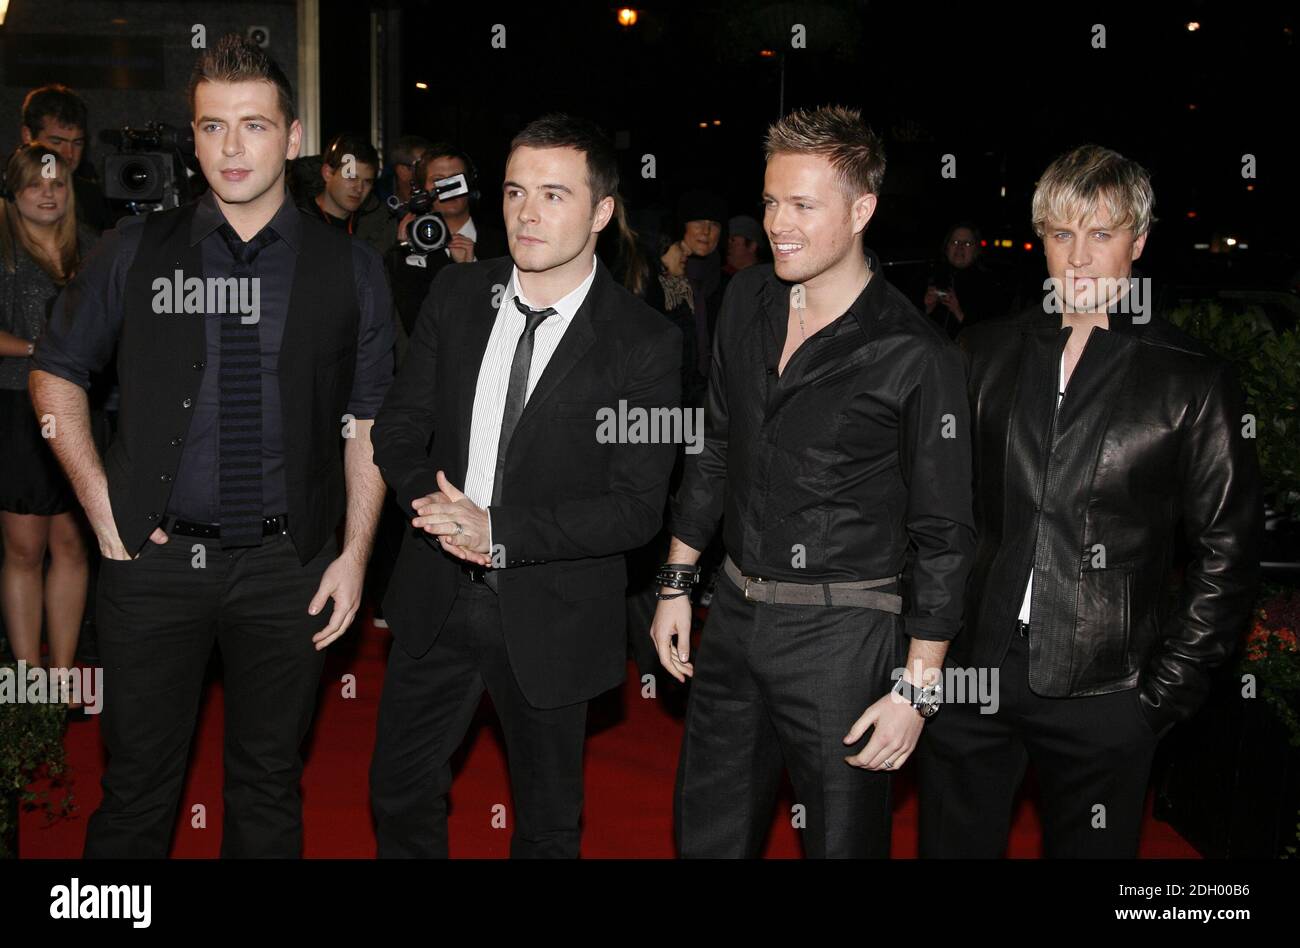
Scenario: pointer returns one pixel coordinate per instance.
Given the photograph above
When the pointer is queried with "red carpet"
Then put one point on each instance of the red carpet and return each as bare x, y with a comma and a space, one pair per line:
631, 760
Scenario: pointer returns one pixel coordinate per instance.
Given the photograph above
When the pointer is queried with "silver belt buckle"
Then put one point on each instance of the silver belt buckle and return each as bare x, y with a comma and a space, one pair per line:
752, 579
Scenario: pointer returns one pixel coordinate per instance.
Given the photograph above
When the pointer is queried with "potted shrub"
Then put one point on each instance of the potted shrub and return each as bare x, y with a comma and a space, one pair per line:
1229, 779
31, 747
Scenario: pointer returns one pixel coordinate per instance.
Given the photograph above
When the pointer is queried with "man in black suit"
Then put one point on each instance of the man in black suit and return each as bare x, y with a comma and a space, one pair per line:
514, 576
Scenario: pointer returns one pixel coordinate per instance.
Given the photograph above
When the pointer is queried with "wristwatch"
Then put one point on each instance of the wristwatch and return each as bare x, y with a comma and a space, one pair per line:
925, 700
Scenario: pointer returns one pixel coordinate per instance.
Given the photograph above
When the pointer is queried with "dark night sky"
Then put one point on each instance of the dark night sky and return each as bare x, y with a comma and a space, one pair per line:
1003, 91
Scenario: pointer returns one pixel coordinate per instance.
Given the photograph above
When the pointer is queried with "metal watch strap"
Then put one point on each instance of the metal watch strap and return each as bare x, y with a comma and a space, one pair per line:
925, 701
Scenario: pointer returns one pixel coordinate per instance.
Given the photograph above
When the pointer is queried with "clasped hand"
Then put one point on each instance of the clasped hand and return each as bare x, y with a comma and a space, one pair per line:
460, 525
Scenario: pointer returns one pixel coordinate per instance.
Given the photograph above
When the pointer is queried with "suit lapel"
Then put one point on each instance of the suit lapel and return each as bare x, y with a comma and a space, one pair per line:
577, 339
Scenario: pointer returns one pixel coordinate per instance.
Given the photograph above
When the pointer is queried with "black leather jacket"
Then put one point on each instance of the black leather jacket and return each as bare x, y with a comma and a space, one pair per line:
1090, 494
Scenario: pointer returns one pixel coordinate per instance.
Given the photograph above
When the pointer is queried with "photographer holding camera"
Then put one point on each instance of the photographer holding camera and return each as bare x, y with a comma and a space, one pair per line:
960, 291
436, 228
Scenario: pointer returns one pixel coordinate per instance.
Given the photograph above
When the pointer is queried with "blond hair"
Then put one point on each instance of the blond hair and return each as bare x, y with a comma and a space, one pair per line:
838, 134
1093, 180
26, 165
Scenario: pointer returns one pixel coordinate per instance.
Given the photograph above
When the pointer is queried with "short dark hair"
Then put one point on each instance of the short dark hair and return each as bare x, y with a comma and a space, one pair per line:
404, 150
236, 58
446, 150
362, 152
962, 224
558, 130
53, 101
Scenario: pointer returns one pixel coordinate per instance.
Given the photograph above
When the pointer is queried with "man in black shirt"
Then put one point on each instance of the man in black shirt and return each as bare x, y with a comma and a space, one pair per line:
835, 438
216, 507
348, 170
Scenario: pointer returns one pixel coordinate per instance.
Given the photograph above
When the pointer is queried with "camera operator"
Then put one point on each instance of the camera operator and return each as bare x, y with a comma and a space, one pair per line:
400, 160
412, 267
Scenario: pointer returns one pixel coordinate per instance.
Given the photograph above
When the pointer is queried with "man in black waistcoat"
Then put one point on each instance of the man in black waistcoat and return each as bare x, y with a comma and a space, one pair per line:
250, 337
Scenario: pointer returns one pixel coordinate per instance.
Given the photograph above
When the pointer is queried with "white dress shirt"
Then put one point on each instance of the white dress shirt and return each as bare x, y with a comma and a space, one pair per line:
494, 378
470, 231
1029, 586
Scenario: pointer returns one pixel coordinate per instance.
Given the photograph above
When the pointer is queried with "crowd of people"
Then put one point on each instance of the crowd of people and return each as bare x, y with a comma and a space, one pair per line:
418, 427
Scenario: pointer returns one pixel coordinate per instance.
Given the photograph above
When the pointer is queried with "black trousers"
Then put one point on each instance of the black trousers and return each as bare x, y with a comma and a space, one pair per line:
781, 685
426, 708
158, 617
1092, 756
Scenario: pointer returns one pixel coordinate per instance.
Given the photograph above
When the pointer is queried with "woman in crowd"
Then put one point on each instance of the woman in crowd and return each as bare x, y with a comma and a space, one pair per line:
41, 245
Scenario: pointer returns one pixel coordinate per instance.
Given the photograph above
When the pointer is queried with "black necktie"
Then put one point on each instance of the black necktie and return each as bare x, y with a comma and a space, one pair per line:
240, 407
517, 389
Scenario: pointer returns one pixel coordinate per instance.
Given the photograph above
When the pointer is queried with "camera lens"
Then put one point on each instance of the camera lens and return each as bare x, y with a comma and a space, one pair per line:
136, 177
428, 233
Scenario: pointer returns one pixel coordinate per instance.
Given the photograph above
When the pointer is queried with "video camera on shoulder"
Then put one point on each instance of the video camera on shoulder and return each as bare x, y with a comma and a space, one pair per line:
429, 232
148, 172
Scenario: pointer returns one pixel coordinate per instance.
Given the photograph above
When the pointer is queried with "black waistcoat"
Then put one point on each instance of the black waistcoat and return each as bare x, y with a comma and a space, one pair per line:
161, 361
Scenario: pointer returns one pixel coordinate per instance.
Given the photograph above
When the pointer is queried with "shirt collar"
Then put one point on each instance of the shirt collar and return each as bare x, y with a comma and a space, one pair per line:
567, 306
865, 308
287, 222
1122, 323
469, 230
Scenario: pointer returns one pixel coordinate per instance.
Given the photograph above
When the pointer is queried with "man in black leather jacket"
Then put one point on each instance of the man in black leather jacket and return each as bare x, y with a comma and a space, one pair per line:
1098, 431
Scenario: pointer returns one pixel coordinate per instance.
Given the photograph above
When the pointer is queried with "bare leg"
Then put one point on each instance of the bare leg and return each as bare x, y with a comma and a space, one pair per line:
65, 588
25, 538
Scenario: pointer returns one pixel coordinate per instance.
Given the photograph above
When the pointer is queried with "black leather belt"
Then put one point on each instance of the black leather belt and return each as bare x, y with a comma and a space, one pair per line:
473, 572
212, 531
479, 575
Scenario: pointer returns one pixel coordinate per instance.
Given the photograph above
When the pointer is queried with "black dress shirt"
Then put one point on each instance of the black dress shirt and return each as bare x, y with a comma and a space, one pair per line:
831, 471
72, 349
